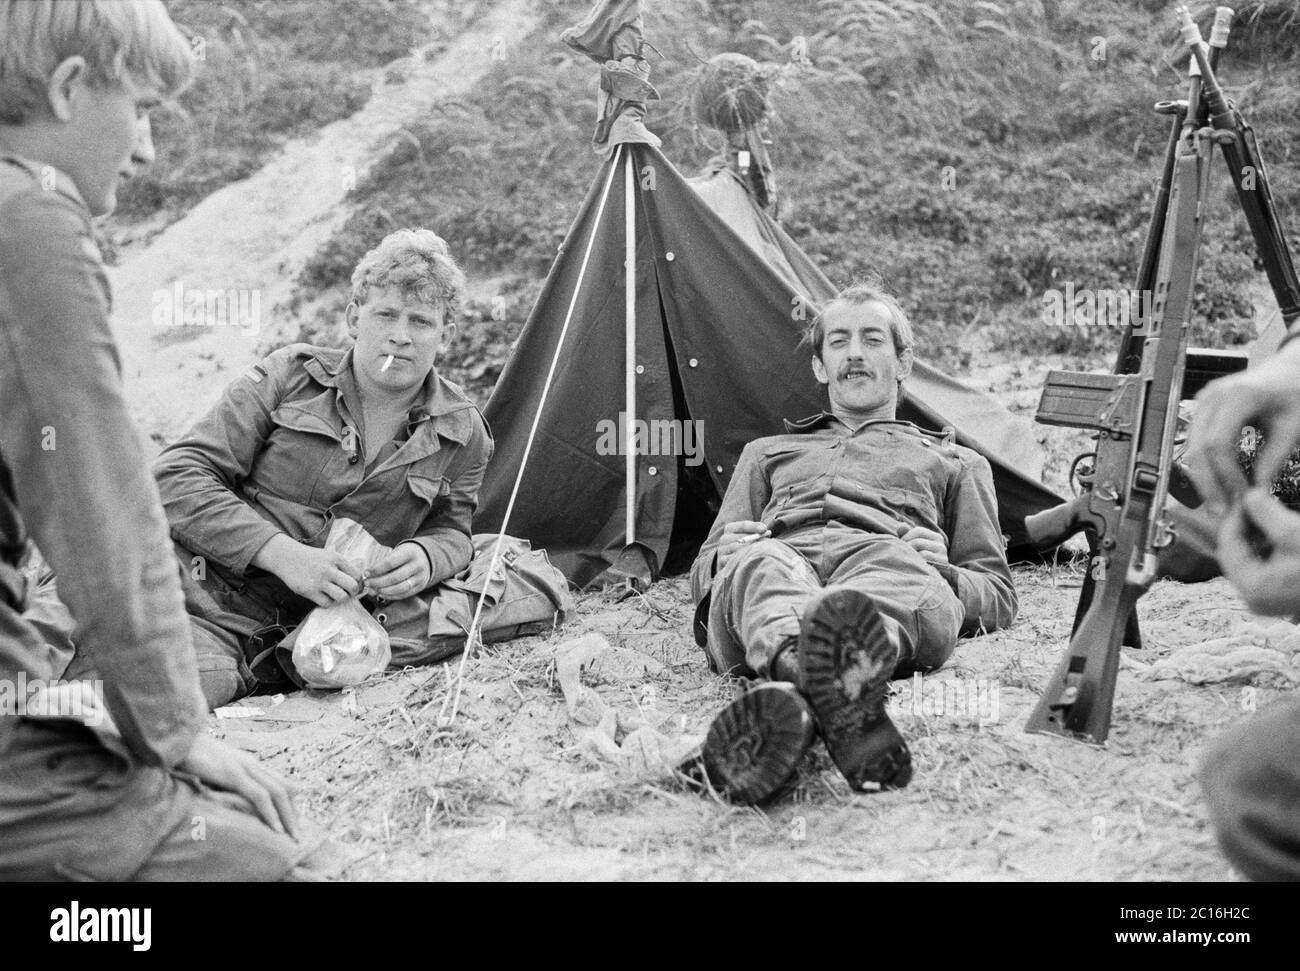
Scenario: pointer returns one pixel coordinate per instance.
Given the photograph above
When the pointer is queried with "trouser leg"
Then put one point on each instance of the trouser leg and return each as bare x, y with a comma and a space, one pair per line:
224, 675
1251, 778
233, 630
758, 601
46, 612
73, 809
918, 606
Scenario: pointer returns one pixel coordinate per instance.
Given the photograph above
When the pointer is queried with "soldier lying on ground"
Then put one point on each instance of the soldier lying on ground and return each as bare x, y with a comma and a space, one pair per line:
851, 550
1251, 776
370, 433
84, 793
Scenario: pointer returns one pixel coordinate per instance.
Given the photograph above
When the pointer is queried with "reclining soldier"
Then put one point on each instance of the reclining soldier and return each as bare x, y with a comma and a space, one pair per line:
370, 433
849, 551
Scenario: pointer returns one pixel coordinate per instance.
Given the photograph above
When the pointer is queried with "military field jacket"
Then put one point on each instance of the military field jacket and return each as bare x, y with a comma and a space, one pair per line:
883, 479
74, 475
284, 452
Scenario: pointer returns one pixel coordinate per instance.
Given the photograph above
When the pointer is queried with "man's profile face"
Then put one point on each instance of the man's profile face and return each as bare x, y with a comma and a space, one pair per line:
401, 325
113, 137
858, 363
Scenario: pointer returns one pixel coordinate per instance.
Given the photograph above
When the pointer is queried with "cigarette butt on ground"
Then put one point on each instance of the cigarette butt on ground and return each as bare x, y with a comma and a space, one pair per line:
387, 363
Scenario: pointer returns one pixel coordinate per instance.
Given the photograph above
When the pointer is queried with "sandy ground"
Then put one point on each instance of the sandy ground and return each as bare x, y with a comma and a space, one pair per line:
515, 787
518, 788
512, 788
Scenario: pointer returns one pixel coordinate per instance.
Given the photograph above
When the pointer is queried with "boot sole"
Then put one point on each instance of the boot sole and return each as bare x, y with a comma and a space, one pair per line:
847, 660
756, 743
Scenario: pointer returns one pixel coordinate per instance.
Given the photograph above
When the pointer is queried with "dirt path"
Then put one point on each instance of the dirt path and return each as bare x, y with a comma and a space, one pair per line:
254, 235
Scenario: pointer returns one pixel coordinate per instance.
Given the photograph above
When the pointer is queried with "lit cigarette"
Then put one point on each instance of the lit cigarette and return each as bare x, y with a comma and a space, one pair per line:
388, 363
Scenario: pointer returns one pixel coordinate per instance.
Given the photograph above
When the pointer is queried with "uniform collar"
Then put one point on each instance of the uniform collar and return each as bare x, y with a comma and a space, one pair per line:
824, 420
42, 171
332, 367
444, 413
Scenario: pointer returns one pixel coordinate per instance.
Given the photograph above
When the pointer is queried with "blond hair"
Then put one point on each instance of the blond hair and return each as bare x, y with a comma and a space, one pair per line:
416, 261
119, 39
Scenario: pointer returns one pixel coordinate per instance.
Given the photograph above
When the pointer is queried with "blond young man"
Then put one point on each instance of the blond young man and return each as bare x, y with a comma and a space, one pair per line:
369, 433
113, 795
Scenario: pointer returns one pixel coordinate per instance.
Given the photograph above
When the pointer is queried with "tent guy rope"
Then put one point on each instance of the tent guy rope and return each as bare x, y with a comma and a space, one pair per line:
474, 634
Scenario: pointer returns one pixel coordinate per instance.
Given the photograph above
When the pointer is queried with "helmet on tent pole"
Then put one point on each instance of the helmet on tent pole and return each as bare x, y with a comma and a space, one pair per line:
731, 93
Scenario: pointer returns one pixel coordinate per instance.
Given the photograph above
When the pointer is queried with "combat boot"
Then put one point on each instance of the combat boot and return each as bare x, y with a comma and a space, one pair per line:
628, 79
755, 744
846, 659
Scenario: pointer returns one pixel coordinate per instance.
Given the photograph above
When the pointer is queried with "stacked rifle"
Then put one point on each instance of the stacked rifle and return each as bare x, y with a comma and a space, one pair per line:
1127, 480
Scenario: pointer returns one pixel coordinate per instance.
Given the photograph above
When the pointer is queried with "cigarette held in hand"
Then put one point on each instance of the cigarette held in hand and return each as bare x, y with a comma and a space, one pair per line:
388, 363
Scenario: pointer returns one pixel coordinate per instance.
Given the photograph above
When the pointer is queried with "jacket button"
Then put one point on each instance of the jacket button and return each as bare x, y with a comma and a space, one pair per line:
353, 459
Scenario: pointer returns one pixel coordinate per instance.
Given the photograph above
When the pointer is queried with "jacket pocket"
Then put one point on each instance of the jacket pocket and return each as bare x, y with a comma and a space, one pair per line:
428, 489
299, 419
914, 506
295, 455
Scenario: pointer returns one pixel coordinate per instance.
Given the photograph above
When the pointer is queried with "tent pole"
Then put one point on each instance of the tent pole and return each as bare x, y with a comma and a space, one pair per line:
629, 275
472, 638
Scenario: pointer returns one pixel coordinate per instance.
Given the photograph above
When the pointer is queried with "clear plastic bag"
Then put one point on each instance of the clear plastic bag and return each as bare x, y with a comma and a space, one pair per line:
342, 645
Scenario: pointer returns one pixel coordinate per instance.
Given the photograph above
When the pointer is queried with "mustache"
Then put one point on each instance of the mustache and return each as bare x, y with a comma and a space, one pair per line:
848, 369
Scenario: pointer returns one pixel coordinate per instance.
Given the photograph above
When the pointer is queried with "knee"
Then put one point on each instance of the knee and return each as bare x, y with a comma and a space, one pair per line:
930, 633
1235, 765
937, 629
1252, 787
765, 551
221, 681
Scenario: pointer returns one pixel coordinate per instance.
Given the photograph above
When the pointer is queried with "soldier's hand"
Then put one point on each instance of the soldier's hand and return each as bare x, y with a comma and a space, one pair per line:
736, 536
1259, 552
928, 543
402, 572
1266, 397
321, 576
227, 769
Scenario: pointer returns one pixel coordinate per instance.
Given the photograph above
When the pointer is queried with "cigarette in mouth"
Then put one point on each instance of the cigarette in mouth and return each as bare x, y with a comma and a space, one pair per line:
388, 363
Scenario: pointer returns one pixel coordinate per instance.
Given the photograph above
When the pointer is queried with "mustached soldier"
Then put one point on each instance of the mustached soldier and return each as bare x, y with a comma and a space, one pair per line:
851, 550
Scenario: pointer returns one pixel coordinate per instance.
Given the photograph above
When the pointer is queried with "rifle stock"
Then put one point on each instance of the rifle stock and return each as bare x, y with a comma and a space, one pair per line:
1134, 413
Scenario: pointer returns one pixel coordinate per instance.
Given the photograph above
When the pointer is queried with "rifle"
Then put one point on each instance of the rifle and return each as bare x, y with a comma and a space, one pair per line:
1126, 481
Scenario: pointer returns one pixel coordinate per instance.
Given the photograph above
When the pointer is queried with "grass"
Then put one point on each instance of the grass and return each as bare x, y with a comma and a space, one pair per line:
983, 156
267, 71
507, 791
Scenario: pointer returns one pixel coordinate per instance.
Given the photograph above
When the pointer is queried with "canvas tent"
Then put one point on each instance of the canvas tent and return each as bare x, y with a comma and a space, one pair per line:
934, 398
718, 302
